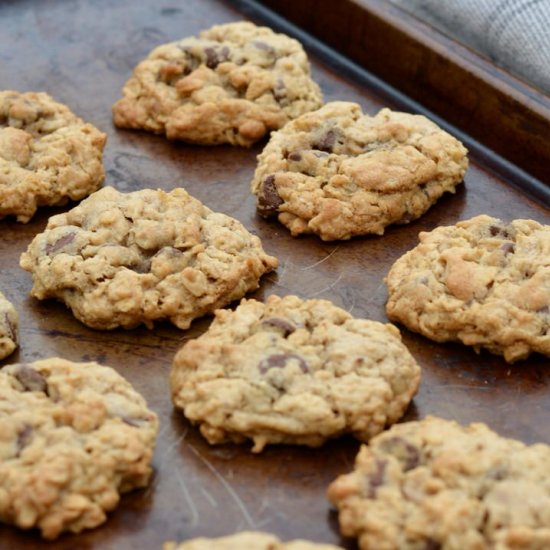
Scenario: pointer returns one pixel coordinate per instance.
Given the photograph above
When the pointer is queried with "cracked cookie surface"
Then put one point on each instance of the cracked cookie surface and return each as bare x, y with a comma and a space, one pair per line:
47, 154
122, 259
73, 436
249, 540
233, 84
483, 282
434, 484
9, 327
338, 173
293, 371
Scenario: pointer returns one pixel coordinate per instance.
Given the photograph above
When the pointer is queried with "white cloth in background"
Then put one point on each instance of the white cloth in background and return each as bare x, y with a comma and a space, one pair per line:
514, 34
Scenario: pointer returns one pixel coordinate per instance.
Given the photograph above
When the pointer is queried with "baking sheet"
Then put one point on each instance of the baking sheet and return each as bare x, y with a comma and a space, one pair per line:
82, 52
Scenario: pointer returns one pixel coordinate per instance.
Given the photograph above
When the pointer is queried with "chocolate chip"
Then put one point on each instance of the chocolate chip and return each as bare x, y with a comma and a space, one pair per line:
265, 47
142, 267
508, 248
29, 378
280, 360
23, 438
296, 157
407, 454
500, 231
60, 243
269, 199
432, 544
376, 479
279, 92
214, 57
286, 326
498, 472
326, 142
544, 310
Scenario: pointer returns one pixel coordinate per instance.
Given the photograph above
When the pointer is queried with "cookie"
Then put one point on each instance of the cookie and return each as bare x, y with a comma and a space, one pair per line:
48, 155
247, 540
434, 484
73, 436
233, 84
338, 173
483, 282
293, 371
9, 327
122, 259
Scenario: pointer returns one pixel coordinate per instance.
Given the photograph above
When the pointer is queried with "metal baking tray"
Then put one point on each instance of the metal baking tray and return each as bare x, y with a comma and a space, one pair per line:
82, 52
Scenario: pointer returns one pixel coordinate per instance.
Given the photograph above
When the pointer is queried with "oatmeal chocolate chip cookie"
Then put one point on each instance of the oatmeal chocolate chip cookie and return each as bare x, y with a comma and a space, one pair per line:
339, 173
293, 371
248, 540
47, 154
233, 84
9, 327
72, 437
124, 259
434, 484
482, 282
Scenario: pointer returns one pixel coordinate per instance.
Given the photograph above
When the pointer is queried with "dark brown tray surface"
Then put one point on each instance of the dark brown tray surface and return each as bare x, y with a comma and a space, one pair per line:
82, 52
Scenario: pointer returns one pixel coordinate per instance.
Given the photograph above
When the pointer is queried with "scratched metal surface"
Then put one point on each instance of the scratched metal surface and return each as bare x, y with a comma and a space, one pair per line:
81, 52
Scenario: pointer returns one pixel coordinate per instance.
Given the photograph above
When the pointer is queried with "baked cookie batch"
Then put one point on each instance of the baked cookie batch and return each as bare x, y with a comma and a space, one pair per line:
73, 437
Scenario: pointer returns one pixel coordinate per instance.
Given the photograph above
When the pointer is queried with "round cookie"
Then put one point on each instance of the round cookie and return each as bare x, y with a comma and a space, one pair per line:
338, 173
247, 540
73, 436
233, 84
482, 282
435, 484
9, 327
47, 154
293, 371
122, 259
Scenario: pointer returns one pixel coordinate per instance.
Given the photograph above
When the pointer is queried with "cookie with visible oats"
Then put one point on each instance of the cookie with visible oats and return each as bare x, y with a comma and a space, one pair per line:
482, 282
293, 371
48, 155
248, 540
339, 173
73, 437
9, 327
434, 484
233, 84
123, 259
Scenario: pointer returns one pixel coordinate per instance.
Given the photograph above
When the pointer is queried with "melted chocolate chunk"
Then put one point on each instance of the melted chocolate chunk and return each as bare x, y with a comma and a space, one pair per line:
29, 378
216, 56
279, 92
142, 267
432, 544
296, 157
268, 199
326, 142
407, 454
280, 360
508, 248
495, 231
264, 47
286, 326
23, 438
376, 479
60, 243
